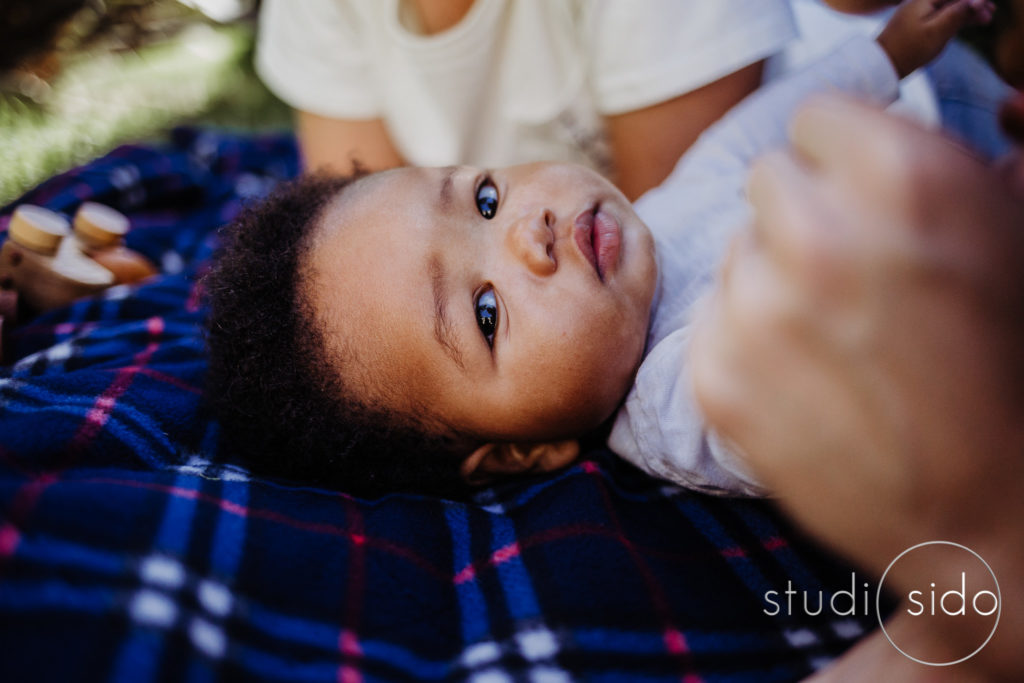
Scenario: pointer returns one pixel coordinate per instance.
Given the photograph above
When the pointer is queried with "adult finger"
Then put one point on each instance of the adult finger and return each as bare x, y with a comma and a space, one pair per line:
881, 163
726, 359
831, 131
748, 353
793, 222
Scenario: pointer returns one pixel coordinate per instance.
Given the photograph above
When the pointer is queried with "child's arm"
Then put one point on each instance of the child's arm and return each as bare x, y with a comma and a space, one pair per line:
919, 29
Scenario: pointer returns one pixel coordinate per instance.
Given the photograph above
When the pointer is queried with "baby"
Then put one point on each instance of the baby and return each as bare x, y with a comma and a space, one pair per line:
432, 329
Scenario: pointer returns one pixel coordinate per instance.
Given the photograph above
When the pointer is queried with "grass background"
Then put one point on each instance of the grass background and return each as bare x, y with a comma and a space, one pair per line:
202, 75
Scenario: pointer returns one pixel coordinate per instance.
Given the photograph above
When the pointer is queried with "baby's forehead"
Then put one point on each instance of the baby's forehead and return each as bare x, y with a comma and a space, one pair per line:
375, 200
348, 198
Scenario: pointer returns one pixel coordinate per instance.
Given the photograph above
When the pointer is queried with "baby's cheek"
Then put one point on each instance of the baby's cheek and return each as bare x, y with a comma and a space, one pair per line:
608, 380
590, 356
570, 398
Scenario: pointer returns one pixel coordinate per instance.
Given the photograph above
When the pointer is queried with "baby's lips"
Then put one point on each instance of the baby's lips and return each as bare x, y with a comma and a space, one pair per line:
606, 241
583, 235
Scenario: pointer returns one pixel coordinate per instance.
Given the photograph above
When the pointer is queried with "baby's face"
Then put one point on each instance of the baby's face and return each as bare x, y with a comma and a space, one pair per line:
511, 305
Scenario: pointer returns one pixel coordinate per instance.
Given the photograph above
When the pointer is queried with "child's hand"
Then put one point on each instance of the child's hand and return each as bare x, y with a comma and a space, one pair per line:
919, 29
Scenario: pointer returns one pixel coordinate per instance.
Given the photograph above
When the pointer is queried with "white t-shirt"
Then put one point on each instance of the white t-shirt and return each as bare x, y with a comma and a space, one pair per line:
693, 215
515, 80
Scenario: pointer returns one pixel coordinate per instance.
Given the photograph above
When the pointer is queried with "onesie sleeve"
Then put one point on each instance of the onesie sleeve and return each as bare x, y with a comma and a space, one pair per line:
659, 429
642, 53
312, 55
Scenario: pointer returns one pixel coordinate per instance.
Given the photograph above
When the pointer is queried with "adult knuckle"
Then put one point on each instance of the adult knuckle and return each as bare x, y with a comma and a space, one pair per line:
761, 180
712, 387
818, 259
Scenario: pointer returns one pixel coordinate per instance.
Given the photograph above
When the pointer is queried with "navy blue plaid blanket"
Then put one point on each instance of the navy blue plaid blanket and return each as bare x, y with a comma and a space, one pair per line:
129, 553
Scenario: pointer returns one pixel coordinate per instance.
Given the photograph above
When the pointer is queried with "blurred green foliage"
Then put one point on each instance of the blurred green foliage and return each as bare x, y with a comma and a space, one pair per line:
100, 99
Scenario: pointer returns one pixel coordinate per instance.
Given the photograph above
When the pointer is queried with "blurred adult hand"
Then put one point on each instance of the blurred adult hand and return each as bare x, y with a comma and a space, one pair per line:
864, 351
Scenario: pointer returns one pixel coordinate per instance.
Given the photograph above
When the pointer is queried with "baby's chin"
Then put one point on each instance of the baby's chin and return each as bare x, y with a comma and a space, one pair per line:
613, 390
645, 284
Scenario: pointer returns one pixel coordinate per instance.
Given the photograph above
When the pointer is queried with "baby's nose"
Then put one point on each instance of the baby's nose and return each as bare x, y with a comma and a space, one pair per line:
531, 239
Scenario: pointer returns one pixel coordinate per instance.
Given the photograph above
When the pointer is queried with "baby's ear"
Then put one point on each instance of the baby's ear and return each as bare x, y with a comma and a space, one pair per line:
494, 461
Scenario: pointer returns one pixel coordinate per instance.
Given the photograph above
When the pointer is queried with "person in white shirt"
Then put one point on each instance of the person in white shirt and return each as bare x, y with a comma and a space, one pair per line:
621, 86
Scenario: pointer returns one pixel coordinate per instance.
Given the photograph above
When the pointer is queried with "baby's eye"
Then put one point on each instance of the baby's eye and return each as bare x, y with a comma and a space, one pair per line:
487, 199
487, 315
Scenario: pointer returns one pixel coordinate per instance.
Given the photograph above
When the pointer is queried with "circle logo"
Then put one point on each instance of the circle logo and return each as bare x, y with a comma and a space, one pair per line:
948, 585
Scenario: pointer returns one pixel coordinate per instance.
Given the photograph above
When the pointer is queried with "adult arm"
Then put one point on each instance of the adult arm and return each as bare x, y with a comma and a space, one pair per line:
312, 55
662, 72
646, 143
342, 144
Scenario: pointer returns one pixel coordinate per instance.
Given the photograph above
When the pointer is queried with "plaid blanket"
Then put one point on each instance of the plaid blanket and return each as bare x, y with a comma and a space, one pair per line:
128, 553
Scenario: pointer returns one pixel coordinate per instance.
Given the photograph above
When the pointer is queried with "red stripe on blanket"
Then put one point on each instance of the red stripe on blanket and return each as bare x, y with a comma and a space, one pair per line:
348, 641
499, 556
9, 538
279, 518
98, 415
675, 643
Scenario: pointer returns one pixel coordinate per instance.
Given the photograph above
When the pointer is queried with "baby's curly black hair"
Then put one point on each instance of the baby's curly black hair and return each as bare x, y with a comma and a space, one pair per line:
283, 405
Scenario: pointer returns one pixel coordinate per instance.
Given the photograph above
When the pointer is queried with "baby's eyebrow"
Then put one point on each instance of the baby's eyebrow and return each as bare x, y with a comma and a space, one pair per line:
445, 194
444, 331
